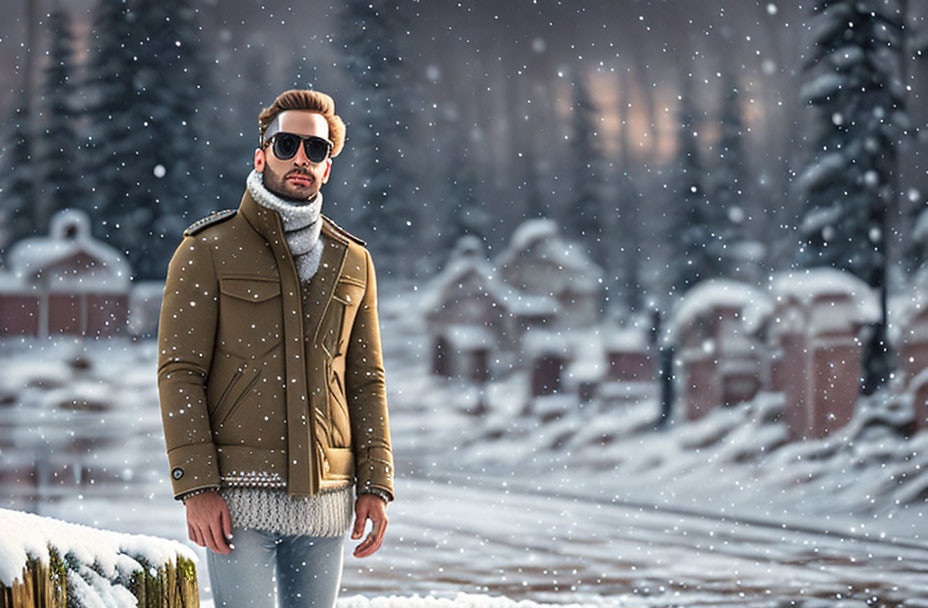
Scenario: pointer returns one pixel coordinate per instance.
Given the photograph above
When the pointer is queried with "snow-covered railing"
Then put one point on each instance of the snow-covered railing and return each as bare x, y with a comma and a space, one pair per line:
48, 562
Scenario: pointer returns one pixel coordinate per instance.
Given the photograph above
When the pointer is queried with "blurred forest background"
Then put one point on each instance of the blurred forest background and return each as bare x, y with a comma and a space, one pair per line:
670, 141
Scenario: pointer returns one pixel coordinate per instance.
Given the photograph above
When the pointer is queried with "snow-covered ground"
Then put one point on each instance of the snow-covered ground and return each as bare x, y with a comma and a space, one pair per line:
593, 507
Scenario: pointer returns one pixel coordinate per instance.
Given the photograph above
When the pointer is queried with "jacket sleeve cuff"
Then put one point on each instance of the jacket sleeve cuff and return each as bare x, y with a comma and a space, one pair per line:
386, 495
183, 497
193, 467
375, 469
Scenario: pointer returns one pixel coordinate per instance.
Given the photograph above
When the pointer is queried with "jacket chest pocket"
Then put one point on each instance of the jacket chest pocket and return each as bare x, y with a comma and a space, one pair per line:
339, 316
250, 314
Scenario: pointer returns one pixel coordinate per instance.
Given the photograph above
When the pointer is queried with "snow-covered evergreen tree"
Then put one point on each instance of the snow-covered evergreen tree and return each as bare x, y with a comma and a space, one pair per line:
58, 145
374, 48
149, 177
535, 205
693, 234
729, 176
107, 95
233, 121
17, 210
916, 251
465, 211
585, 210
623, 263
847, 188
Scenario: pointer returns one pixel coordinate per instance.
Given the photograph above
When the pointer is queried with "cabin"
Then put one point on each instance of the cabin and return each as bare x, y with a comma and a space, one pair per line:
66, 283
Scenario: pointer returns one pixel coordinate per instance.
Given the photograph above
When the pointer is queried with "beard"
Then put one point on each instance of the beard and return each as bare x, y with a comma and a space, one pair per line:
279, 185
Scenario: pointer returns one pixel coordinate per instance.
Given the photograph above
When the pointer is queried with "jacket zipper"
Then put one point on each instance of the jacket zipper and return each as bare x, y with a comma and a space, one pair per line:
315, 472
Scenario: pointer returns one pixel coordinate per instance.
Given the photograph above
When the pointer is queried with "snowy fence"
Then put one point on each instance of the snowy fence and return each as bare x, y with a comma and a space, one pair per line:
802, 341
913, 358
50, 563
718, 355
816, 358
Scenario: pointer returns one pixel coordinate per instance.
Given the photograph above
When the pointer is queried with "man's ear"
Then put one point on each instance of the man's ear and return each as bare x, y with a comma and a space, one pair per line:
328, 169
259, 160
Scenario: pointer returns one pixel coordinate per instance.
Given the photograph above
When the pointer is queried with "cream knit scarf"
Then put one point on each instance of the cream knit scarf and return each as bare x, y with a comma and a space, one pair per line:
302, 224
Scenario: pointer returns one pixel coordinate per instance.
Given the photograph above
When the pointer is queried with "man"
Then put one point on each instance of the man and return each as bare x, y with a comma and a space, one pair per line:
270, 375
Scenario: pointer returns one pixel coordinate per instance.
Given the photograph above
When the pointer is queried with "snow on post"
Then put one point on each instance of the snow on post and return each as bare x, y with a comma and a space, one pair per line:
912, 338
712, 327
49, 562
628, 357
817, 353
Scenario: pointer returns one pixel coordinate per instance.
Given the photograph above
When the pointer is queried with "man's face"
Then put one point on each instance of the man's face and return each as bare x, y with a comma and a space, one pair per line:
297, 178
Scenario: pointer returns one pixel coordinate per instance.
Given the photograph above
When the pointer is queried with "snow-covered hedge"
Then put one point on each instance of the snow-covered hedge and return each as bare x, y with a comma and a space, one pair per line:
48, 562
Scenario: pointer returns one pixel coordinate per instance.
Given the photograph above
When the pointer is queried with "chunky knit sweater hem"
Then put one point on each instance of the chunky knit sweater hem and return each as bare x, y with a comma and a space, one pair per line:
328, 513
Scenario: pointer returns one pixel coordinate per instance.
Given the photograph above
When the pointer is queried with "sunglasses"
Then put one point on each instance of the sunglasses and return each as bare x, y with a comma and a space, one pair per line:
285, 146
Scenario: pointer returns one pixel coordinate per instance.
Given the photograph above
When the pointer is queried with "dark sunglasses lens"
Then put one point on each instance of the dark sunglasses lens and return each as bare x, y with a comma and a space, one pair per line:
317, 149
285, 146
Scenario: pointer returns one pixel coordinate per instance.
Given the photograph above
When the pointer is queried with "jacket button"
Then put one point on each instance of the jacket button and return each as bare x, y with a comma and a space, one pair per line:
177, 473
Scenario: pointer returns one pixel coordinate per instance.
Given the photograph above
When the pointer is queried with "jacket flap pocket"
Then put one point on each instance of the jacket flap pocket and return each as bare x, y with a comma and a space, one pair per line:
348, 292
339, 463
252, 289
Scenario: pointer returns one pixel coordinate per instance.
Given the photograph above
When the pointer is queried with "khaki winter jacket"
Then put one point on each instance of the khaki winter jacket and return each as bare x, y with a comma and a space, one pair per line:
258, 386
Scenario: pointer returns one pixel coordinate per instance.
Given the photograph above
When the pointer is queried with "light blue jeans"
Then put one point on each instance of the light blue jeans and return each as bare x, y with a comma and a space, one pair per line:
267, 569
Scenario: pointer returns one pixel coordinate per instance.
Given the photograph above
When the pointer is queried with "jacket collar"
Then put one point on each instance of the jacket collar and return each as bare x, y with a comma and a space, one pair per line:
268, 224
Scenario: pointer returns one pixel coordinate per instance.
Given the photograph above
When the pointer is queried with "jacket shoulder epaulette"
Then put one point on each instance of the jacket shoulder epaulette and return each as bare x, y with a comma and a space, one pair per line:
344, 232
213, 218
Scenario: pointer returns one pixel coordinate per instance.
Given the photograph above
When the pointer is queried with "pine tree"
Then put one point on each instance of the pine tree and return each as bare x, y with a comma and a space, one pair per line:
585, 209
233, 119
729, 177
169, 81
58, 146
624, 259
107, 95
145, 79
374, 50
17, 216
535, 205
696, 257
466, 213
848, 186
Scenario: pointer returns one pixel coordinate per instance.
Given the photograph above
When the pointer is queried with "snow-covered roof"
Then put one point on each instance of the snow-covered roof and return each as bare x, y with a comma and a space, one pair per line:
806, 285
468, 259
713, 293
537, 342
626, 339
521, 303
468, 337
540, 235
69, 235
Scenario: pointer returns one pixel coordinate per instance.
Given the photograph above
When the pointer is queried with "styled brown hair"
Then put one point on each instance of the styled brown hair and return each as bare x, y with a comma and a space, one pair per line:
305, 99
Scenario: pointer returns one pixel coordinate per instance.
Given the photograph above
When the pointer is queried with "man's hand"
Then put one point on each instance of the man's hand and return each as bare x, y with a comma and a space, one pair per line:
209, 522
369, 506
